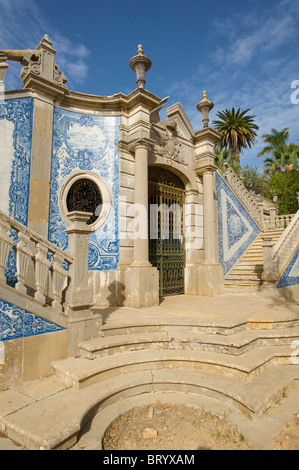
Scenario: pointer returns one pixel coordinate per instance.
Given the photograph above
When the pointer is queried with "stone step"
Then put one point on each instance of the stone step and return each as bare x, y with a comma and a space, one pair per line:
140, 325
240, 283
242, 287
39, 425
250, 266
81, 372
235, 274
249, 263
234, 344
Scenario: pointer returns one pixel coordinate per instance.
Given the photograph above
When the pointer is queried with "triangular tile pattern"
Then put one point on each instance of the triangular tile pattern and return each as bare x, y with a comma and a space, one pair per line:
17, 323
291, 274
236, 229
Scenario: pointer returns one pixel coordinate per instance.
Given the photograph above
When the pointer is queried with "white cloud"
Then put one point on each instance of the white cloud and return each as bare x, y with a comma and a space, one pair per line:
252, 68
22, 26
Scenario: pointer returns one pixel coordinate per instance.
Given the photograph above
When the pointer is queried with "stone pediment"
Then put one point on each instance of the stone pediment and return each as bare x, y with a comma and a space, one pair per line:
176, 114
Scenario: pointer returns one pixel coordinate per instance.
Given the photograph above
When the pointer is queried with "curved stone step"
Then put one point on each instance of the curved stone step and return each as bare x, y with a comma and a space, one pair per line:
81, 372
265, 320
39, 426
233, 344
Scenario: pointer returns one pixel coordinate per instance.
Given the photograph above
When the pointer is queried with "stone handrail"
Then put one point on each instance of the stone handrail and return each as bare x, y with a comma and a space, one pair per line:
247, 198
50, 277
280, 222
263, 211
286, 244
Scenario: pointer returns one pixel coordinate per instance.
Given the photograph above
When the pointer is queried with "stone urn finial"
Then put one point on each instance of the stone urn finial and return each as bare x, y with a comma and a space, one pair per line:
205, 106
140, 64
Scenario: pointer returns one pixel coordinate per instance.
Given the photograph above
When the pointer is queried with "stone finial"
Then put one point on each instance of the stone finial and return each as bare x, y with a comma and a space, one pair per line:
39, 68
3, 69
140, 64
205, 106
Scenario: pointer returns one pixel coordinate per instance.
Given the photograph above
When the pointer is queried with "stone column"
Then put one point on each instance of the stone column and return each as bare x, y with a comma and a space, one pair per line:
210, 277
140, 279
269, 276
210, 234
83, 324
141, 205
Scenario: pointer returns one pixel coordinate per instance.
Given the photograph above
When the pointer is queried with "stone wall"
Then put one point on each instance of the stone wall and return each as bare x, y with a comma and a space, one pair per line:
85, 143
28, 345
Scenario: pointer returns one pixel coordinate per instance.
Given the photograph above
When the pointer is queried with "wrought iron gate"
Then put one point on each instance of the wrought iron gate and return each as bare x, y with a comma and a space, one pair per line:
166, 242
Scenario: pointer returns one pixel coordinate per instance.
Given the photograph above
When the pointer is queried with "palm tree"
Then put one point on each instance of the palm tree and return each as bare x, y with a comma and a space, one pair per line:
283, 156
274, 141
221, 157
237, 130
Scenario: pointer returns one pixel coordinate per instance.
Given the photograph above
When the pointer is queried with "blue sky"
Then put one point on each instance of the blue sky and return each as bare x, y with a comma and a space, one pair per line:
244, 53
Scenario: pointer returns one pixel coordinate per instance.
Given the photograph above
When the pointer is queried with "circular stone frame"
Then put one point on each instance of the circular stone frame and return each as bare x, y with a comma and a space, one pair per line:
103, 188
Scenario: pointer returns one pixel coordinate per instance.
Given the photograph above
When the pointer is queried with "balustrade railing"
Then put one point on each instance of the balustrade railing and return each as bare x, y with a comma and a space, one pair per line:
264, 212
280, 222
247, 198
286, 244
50, 264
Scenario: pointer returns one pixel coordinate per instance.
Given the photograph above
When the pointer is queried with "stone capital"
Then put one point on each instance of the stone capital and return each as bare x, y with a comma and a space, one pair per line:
79, 222
142, 142
205, 166
207, 135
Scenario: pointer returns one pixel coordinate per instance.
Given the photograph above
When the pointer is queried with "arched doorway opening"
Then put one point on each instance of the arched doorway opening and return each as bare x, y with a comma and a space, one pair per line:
166, 240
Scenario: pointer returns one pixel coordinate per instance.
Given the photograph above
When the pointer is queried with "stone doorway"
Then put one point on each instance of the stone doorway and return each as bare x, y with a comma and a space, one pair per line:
166, 240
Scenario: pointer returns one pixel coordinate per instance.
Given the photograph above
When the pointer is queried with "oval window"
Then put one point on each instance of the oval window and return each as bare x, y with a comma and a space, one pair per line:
84, 195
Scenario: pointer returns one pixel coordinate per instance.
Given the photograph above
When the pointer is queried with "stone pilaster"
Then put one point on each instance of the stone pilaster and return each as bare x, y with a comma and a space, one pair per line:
40, 173
141, 279
209, 273
83, 324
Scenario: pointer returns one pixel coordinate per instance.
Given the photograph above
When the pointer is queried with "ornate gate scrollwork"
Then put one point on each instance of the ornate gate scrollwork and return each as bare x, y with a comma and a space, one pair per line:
166, 247
85, 196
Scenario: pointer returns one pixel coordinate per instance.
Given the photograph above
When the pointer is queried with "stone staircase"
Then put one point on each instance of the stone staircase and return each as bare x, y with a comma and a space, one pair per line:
244, 364
247, 272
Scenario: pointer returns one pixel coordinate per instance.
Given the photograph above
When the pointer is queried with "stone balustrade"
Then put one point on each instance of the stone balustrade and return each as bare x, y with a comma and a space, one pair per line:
281, 222
247, 199
264, 212
276, 257
286, 244
50, 264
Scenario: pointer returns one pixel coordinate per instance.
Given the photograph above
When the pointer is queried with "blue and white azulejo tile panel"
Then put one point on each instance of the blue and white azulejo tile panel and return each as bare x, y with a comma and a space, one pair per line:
291, 274
86, 143
237, 230
18, 323
16, 116
16, 122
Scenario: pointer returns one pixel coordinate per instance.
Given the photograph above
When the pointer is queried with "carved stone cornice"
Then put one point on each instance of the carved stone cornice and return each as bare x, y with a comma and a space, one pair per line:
208, 134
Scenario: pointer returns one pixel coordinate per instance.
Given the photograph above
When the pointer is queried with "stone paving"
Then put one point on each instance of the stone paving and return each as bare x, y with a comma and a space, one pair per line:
227, 311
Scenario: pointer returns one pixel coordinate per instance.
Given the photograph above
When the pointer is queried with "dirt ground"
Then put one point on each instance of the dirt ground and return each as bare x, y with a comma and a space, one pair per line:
178, 427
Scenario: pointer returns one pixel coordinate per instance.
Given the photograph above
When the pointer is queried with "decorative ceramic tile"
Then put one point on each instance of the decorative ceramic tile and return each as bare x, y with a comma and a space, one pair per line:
19, 113
18, 323
291, 274
86, 143
237, 230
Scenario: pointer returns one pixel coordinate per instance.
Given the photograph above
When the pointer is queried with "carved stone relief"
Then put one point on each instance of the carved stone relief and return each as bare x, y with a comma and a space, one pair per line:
167, 144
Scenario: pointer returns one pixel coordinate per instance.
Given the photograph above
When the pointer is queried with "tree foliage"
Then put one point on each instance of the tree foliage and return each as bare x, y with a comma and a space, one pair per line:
284, 185
280, 177
238, 131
